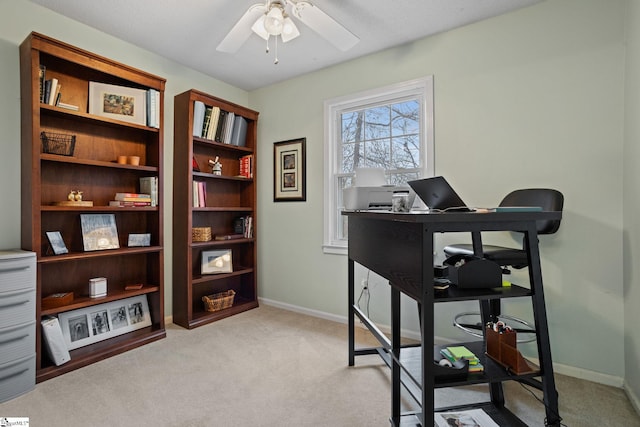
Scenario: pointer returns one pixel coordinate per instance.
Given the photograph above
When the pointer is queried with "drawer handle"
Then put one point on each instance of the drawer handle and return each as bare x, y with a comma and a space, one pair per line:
7, 270
14, 339
13, 304
15, 374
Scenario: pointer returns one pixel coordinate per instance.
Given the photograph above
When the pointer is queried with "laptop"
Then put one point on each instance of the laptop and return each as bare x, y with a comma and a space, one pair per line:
438, 194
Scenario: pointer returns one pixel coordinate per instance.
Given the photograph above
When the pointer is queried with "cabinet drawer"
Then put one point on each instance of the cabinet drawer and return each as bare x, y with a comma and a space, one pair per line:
17, 307
17, 270
17, 377
17, 342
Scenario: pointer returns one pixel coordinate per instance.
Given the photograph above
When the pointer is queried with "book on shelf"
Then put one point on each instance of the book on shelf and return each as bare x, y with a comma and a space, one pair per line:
51, 96
206, 123
133, 197
215, 117
128, 204
42, 71
220, 128
228, 128
198, 118
149, 185
199, 189
239, 134
47, 91
68, 106
153, 108
246, 166
244, 226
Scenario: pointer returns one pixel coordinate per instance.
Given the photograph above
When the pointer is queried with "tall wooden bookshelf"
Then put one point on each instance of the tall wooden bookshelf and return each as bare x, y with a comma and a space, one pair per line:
228, 198
48, 178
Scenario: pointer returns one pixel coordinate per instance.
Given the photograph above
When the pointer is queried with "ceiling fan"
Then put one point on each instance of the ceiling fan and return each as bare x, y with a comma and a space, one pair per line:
273, 18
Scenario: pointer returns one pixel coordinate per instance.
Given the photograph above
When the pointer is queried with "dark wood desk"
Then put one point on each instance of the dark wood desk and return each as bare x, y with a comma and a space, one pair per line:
399, 247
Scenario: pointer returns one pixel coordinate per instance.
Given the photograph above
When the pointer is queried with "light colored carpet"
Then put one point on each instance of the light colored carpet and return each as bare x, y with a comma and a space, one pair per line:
267, 367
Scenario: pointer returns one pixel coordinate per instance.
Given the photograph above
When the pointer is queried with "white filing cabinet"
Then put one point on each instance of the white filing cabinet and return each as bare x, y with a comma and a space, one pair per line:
17, 323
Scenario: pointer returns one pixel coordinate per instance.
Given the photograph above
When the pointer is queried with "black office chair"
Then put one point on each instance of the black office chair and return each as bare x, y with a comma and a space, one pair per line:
548, 200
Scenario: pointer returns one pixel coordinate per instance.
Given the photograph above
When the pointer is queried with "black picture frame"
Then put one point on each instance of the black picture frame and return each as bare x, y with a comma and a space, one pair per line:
56, 242
289, 171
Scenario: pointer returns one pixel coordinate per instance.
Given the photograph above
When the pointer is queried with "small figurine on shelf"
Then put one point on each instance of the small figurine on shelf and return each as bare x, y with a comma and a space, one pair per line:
78, 197
216, 166
72, 196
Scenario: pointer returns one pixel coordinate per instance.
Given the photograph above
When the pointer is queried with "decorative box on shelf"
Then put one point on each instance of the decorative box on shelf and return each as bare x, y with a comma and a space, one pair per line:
201, 234
57, 300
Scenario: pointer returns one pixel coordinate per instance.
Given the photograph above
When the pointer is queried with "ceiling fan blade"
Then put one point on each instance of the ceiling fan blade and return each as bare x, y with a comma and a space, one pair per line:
242, 30
324, 25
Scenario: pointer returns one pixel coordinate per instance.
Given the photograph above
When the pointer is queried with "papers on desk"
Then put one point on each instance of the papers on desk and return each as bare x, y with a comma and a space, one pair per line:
472, 417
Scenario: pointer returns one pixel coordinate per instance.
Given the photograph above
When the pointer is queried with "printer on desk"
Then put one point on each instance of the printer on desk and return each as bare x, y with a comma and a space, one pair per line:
371, 191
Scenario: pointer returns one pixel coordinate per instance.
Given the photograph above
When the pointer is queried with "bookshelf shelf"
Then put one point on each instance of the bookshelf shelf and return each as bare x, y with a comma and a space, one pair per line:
228, 197
91, 168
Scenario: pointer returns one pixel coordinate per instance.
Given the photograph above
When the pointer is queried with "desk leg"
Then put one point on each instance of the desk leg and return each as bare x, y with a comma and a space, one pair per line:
351, 313
489, 311
395, 348
540, 317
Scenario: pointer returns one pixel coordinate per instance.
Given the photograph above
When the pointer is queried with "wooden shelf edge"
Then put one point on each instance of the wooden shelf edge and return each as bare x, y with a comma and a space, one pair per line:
87, 162
85, 301
94, 118
75, 256
204, 317
212, 277
94, 353
222, 242
205, 141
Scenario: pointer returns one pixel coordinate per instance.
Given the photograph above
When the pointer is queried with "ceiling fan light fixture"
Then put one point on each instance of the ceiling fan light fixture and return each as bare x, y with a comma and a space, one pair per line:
274, 21
258, 28
289, 30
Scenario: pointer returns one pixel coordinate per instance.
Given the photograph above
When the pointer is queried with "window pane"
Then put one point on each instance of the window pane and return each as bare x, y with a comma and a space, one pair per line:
402, 178
406, 118
351, 126
377, 122
405, 152
352, 157
377, 153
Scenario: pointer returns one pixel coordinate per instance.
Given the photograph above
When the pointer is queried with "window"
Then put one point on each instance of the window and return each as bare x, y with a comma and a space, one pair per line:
389, 128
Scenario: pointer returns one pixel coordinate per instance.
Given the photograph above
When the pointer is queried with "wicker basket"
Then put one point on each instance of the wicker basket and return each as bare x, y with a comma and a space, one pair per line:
218, 301
58, 143
201, 234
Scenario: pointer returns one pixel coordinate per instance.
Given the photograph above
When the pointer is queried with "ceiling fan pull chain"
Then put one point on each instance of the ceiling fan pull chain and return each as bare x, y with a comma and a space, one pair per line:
267, 50
276, 60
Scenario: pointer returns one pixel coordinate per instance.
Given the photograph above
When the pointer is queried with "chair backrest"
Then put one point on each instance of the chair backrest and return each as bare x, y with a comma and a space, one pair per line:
547, 198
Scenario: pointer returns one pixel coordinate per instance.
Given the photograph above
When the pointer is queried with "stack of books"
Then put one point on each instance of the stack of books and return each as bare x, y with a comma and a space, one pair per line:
218, 125
131, 200
246, 166
456, 353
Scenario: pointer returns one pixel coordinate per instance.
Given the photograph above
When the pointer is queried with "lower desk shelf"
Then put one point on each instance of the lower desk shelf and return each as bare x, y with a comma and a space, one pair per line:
411, 361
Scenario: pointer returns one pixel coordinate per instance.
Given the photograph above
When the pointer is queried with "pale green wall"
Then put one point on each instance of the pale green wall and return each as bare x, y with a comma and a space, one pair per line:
17, 19
631, 234
532, 98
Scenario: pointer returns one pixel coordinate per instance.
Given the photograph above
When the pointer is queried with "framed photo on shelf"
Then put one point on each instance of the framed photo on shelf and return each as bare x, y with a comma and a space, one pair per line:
218, 261
118, 102
289, 170
96, 323
57, 244
143, 239
99, 232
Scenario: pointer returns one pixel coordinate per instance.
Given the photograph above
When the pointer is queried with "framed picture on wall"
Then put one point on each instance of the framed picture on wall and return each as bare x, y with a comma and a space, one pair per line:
289, 171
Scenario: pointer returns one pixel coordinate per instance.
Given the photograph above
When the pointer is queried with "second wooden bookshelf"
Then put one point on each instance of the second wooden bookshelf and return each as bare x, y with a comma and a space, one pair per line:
223, 204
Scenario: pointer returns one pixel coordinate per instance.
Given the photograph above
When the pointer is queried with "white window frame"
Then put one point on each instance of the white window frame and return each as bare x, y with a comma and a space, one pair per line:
421, 89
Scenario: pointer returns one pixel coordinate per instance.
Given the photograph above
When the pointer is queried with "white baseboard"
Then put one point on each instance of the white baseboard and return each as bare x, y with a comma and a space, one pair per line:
571, 371
633, 398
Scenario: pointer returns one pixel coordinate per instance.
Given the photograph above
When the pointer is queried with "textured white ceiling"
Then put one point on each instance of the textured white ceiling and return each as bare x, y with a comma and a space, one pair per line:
188, 31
